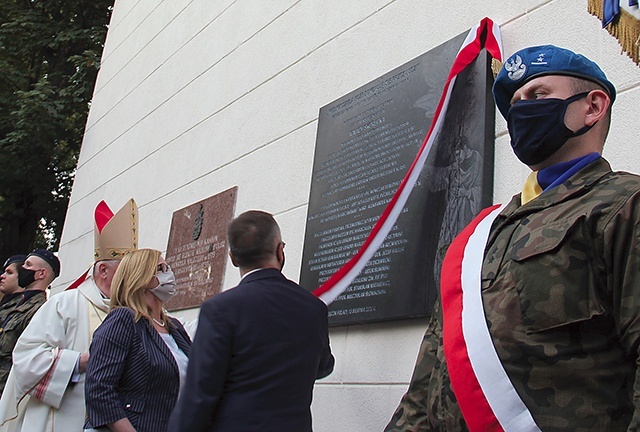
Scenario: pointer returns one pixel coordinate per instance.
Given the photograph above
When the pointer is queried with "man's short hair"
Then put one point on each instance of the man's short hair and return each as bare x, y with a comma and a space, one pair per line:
579, 85
252, 238
110, 263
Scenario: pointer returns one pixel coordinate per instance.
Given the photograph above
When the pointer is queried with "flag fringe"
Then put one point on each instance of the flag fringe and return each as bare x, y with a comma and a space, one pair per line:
625, 27
496, 65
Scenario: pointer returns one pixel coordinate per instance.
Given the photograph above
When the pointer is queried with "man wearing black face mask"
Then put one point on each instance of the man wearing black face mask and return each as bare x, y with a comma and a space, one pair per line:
537, 327
259, 347
37, 272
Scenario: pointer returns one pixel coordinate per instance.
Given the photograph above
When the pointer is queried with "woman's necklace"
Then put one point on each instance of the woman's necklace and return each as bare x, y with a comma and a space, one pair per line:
160, 323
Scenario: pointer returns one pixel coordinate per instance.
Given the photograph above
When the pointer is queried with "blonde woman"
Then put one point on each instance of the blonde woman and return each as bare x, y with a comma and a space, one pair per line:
138, 355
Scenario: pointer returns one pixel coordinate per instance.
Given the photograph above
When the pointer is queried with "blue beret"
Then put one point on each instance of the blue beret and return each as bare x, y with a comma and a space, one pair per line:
14, 259
536, 61
49, 257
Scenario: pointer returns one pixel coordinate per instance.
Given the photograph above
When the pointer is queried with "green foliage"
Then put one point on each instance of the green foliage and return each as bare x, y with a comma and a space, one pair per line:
49, 58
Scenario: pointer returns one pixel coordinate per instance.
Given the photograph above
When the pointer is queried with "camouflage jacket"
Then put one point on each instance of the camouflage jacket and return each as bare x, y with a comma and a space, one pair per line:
14, 317
561, 294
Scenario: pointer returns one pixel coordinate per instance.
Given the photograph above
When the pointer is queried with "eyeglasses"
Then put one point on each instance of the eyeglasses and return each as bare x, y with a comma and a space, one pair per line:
163, 268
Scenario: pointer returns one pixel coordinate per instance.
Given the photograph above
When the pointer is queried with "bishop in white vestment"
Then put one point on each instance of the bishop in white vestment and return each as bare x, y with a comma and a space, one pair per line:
45, 388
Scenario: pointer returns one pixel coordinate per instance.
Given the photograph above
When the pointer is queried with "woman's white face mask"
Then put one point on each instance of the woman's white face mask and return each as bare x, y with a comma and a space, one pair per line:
166, 286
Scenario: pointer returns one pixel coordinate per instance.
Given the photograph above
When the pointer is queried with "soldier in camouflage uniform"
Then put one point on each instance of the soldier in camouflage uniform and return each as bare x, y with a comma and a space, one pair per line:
560, 275
34, 273
12, 295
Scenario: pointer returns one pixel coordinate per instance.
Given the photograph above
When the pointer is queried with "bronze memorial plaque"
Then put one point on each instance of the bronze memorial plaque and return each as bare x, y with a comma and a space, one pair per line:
197, 249
366, 142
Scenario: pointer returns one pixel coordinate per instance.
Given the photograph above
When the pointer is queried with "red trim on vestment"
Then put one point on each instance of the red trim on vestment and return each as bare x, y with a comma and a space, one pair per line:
78, 281
41, 388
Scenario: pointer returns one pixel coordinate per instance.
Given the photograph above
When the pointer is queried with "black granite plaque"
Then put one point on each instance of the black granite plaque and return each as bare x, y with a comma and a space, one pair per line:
366, 142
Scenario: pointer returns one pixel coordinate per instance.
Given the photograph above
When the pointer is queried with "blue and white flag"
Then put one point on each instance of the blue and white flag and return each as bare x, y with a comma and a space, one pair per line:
611, 9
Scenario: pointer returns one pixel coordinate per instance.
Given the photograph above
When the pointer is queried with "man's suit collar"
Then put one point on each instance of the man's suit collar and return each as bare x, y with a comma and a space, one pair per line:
261, 274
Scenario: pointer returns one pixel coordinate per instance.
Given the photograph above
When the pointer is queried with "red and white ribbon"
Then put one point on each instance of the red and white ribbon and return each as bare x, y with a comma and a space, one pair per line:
486, 397
484, 35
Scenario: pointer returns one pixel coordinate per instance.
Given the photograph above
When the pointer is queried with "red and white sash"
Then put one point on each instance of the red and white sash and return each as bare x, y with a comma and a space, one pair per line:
486, 397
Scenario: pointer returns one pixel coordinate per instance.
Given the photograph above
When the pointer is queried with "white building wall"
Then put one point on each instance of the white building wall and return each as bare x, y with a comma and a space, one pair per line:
197, 96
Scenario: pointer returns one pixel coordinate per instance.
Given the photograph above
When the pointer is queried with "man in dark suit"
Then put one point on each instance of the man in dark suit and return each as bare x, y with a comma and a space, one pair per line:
259, 347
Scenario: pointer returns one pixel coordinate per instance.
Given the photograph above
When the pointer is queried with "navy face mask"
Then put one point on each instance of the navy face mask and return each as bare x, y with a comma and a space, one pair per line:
537, 127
